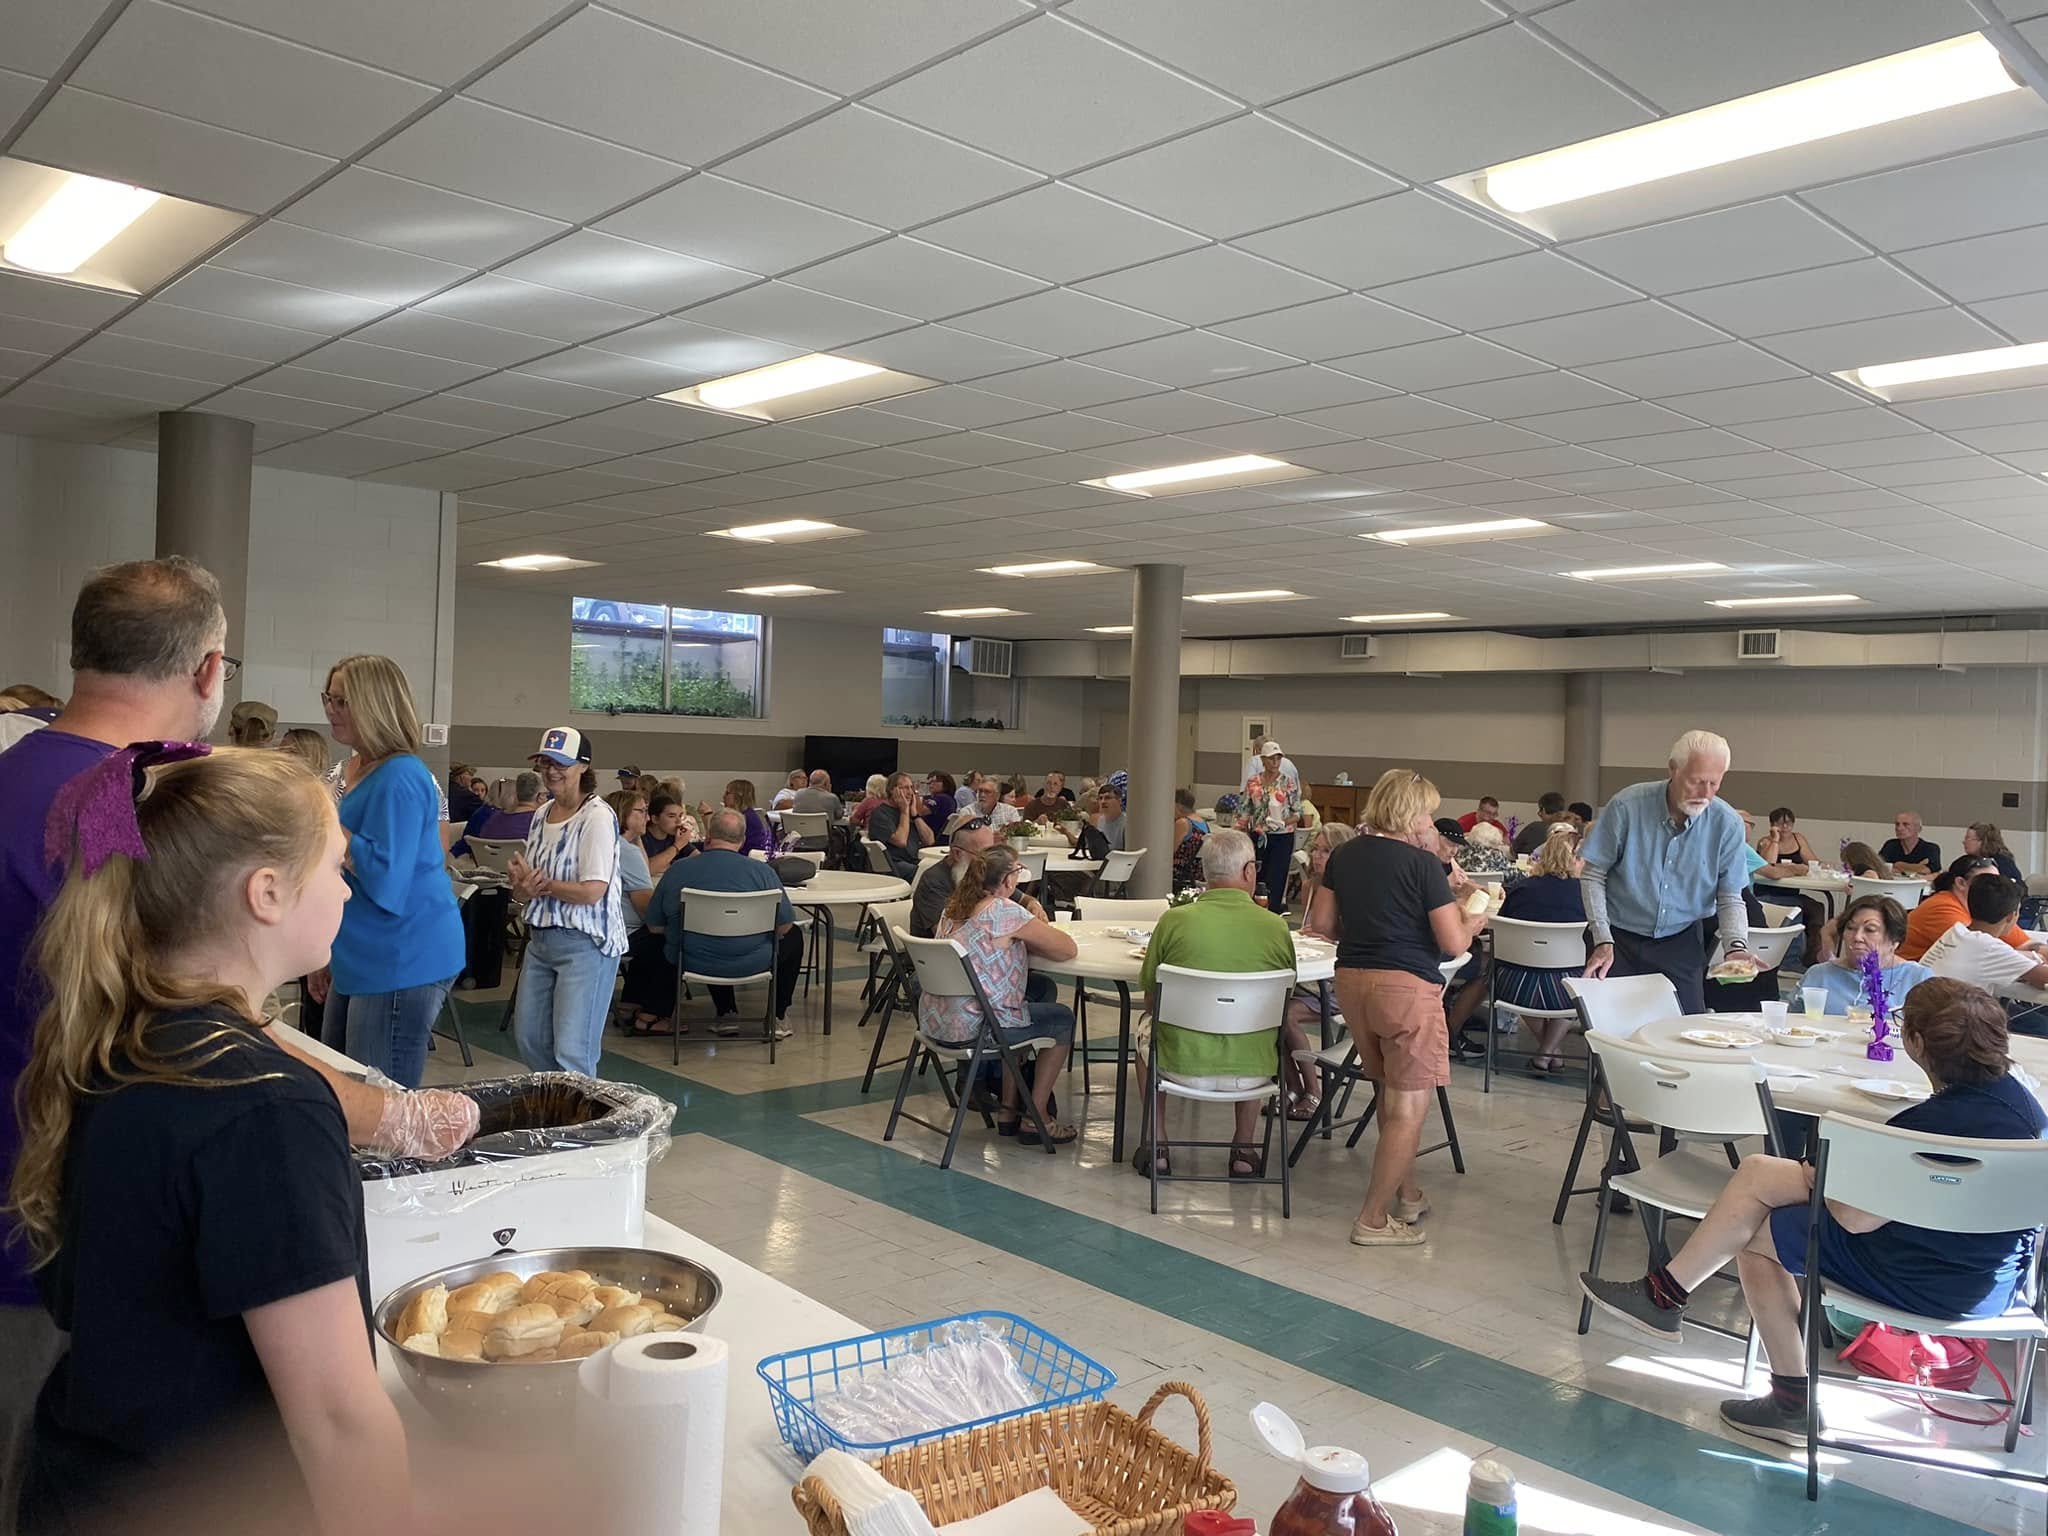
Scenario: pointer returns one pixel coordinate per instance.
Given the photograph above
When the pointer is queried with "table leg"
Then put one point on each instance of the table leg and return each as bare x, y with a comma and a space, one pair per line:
1123, 1056
1329, 1019
825, 916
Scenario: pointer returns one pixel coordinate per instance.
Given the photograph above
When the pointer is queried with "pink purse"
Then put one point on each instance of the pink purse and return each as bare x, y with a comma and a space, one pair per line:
1925, 1360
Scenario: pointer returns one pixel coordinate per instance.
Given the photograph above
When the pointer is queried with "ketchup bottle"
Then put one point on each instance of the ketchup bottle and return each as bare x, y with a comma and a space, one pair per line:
1334, 1494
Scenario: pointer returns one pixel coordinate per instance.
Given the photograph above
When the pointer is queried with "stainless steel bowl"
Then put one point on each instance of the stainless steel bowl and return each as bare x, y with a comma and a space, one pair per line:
473, 1392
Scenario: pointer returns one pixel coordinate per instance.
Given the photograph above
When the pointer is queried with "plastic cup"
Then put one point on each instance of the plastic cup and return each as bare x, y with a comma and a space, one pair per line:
1774, 1014
1814, 1000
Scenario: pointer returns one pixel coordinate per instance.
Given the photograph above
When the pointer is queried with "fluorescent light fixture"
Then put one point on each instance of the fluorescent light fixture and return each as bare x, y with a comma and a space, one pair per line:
1260, 595
1206, 475
1893, 381
787, 589
81, 218
1945, 74
1802, 600
539, 563
1047, 568
1485, 530
1109, 629
1624, 572
791, 529
798, 376
974, 613
1394, 618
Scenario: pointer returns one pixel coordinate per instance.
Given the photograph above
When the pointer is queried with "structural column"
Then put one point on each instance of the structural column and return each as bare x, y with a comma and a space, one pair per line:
1582, 728
1155, 725
202, 508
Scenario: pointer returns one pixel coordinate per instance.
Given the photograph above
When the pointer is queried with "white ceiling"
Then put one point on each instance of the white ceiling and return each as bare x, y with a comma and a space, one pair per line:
1122, 233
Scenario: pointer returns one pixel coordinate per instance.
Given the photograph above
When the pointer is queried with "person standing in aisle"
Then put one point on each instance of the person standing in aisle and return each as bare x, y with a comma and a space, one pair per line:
400, 947
569, 878
1272, 802
1663, 857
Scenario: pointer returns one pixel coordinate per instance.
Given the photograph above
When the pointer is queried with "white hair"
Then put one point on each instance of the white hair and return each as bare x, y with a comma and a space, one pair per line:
1699, 744
1224, 854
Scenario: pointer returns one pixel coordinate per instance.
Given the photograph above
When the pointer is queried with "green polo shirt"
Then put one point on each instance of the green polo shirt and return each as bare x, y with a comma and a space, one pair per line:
1221, 930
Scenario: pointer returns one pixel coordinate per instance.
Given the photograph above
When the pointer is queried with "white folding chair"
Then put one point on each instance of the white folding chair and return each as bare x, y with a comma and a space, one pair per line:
1777, 916
1219, 1003
492, 857
891, 988
1708, 1094
1535, 947
1906, 893
1767, 946
812, 827
1033, 862
1615, 1005
1940, 1184
878, 858
728, 915
1117, 869
943, 971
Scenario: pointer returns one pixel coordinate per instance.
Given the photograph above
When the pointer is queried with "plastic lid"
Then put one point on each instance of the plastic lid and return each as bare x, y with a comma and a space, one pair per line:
1492, 1483
1335, 1470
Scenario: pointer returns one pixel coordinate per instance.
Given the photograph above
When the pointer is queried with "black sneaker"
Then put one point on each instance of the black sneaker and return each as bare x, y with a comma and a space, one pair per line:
1766, 1418
1629, 1301
726, 1024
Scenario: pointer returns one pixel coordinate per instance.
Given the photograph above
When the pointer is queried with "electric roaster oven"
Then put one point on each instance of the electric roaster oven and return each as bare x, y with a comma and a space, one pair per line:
559, 1161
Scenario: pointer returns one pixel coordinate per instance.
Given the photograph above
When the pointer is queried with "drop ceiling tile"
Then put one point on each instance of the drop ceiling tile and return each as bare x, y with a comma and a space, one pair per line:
797, 316
57, 303
1059, 233
1474, 438
291, 254
17, 92
618, 79
287, 410
1214, 283
1291, 390
644, 277
1604, 423
939, 352
239, 294
954, 405
738, 226
1503, 399
699, 351
366, 205
388, 365
1494, 96
1386, 241
334, 388
913, 278
1697, 368
343, 453
1550, 463
505, 157
865, 165
42, 33
551, 312
119, 141
1188, 358
425, 434
1766, 402
845, 50
439, 43
1605, 335
615, 371
1884, 450
1533, 286
1063, 320
1069, 386
1731, 245
1069, 431
202, 330
1179, 411
1675, 447
1953, 197
1338, 327
1985, 267
123, 383
1381, 418
457, 340
211, 366
1891, 339
1428, 365
1282, 46
2025, 315
210, 71
2020, 437
1855, 290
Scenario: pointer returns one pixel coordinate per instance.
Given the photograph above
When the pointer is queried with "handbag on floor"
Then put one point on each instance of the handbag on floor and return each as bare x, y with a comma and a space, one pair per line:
1925, 1360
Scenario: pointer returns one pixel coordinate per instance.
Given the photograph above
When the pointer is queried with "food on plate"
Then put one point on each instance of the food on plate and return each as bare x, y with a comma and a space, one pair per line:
493, 1293
521, 1330
426, 1313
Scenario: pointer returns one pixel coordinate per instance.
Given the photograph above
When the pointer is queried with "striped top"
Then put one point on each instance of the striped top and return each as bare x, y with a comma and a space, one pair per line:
585, 847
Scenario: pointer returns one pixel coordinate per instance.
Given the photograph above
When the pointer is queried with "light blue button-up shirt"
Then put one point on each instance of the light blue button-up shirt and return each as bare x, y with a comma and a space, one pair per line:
1649, 875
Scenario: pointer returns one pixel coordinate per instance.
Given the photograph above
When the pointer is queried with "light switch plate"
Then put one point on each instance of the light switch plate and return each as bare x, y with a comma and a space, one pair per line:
437, 735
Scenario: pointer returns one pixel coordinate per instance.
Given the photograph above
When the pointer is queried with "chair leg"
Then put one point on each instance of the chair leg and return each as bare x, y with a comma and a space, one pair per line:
1081, 1023
881, 1034
1749, 1357
1443, 1103
1155, 1141
1593, 1258
1486, 1023
1372, 1108
2022, 1389
1814, 1326
1320, 1119
455, 1023
1571, 1169
902, 1089
972, 1063
768, 1020
1015, 1072
675, 1021
1734, 1156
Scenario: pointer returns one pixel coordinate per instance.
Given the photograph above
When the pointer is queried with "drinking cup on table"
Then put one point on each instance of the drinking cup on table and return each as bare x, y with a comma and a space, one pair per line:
1815, 1001
1774, 1014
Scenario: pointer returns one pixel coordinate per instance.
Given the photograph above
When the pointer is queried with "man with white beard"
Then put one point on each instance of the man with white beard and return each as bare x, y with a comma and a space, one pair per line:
1663, 857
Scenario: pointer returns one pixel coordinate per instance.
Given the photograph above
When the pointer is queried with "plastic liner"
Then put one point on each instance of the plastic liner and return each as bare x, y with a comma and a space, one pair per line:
542, 1112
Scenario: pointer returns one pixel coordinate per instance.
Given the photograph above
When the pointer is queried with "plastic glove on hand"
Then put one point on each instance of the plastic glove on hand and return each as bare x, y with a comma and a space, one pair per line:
429, 1123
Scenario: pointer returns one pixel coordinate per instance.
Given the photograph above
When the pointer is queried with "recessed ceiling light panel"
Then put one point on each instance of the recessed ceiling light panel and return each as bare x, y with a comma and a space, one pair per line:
540, 563
1257, 595
1638, 572
1395, 618
79, 229
794, 530
1110, 629
802, 386
1790, 600
1960, 373
1492, 528
1048, 568
787, 589
1203, 475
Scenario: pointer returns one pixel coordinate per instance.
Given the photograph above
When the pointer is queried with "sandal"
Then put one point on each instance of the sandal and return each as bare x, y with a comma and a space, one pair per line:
1008, 1127
650, 1026
1305, 1106
1246, 1162
1060, 1135
1142, 1159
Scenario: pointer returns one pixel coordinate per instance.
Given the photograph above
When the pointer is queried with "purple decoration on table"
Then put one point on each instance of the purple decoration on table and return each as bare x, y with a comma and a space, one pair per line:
1514, 826
1880, 1009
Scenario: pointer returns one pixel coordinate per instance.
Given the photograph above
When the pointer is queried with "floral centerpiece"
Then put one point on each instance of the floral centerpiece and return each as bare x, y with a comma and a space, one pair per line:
1065, 812
1186, 896
1880, 1008
1021, 831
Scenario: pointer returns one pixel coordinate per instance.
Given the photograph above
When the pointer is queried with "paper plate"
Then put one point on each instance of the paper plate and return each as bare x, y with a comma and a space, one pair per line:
1721, 1039
1889, 1089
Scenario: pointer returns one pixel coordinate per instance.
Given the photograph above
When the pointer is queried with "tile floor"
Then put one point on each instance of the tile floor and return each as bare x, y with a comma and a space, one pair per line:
1421, 1358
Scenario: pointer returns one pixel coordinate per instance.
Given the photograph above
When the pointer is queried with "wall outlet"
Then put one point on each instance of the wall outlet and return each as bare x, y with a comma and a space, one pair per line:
437, 736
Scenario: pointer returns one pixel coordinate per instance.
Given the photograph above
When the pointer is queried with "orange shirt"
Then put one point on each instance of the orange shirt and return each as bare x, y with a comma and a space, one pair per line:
1935, 916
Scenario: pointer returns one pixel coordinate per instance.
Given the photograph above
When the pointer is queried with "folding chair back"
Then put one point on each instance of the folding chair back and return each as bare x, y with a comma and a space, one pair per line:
806, 824
729, 914
1538, 946
1776, 916
1223, 1002
1769, 946
1708, 1093
1906, 893
1942, 1183
889, 916
1118, 867
1033, 862
878, 858
1618, 1006
942, 969
495, 853
1114, 909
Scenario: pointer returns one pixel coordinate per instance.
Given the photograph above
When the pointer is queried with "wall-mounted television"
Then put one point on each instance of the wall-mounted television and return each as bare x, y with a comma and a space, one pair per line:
850, 759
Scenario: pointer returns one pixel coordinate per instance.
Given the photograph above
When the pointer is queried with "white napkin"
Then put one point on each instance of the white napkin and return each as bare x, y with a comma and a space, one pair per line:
1040, 1512
873, 1506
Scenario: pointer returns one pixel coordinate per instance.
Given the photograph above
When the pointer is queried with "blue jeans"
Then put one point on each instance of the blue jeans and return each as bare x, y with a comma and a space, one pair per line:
386, 1030
565, 991
1274, 866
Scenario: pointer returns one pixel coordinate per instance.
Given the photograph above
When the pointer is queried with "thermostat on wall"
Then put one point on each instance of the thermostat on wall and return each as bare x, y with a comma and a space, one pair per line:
437, 735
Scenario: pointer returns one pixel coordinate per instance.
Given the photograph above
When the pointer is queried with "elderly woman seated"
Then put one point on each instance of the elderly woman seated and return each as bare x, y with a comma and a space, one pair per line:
1868, 925
1956, 1034
1550, 895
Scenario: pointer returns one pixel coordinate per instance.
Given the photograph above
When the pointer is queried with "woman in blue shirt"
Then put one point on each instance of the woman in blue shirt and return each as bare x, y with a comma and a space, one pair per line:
400, 946
1868, 924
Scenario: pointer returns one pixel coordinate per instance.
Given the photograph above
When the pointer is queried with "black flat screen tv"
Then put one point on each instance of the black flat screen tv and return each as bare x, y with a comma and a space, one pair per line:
850, 759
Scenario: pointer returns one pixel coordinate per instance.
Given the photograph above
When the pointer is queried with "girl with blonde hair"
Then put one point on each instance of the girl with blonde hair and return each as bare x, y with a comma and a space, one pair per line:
184, 1185
1549, 895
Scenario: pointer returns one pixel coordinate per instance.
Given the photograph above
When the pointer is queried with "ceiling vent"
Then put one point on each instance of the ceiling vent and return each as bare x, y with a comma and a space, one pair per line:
1357, 647
987, 658
1759, 645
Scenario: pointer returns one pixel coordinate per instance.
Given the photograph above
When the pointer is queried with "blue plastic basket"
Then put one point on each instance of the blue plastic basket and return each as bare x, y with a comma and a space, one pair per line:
1061, 1373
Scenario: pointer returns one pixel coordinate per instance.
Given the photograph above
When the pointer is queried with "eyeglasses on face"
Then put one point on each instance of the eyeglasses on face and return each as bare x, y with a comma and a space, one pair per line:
230, 666
334, 701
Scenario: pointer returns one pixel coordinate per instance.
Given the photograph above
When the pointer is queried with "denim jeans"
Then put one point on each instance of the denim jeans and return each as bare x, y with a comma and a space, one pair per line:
1274, 867
565, 991
386, 1030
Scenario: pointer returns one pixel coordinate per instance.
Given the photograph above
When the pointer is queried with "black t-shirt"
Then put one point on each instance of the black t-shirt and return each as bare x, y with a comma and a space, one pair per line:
1385, 892
1924, 852
184, 1207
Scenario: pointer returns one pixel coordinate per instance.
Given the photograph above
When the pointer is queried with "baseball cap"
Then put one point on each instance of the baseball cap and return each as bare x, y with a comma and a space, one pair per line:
1272, 749
628, 774
563, 744
964, 821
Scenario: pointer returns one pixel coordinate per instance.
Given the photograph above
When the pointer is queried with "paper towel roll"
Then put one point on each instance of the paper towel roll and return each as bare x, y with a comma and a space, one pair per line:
650, 1434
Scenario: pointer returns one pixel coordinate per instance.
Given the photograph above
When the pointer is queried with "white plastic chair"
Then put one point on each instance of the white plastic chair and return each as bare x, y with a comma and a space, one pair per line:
1778, 916
1940, 1184
890, 988
1768, 946
1219, 1003
1535, 947
1033, 862
730, 915
1907, 893
1709, 1094
1615, 1005
492, 857
1117, 868
810, 826
878, 858
943, 971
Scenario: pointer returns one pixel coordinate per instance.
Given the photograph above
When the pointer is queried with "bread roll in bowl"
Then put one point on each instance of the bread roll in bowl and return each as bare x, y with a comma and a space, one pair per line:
521, 1330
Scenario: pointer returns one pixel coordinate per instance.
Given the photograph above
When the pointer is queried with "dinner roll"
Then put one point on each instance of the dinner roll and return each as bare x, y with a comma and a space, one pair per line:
627, 1321
462, 1344
493, 1293
573, 1310
575, 1346
667, 1322
426, 1313
521, 1330
422, 1344
544, 1284
614, 1296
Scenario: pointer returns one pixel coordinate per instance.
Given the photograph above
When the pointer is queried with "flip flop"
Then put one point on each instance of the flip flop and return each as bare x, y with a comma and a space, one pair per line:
1061, 1135
1305, 1106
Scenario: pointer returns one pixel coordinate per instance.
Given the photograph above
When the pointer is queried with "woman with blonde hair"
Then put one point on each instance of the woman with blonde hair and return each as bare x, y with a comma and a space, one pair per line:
184, 1185
1550, 895
401, 946
1400, 918
739, 796
1982, 838
308, 746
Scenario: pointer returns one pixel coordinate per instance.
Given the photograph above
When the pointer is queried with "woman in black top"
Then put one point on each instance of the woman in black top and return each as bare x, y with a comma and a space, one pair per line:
185, 1186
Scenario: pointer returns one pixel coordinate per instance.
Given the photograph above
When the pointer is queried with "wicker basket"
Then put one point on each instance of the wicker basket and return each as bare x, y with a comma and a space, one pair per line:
1113, 1470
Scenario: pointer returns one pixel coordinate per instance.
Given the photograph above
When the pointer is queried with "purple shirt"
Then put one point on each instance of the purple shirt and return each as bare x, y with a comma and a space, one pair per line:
31, 773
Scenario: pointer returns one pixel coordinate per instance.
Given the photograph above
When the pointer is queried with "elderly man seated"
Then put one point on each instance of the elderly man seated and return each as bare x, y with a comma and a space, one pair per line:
816, 798
722, 867
1906, 850
785, 797
994, 805
1221, 930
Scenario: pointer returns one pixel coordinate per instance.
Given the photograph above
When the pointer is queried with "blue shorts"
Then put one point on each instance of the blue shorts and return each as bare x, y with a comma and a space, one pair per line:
1839, 1263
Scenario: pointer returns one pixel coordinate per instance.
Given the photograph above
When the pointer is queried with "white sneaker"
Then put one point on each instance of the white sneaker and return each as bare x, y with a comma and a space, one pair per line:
1410, 1214
1395, 1234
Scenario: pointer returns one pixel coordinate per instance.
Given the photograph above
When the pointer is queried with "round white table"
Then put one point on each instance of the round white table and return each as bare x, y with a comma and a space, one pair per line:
832, 890
1114, 958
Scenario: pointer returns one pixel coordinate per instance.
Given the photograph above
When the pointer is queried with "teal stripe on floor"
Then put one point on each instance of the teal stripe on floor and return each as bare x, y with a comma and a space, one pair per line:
1640, 1455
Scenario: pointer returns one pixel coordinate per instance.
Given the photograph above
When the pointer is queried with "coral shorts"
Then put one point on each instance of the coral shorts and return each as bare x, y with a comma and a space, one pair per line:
1397, 1019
